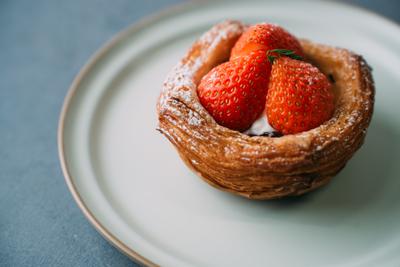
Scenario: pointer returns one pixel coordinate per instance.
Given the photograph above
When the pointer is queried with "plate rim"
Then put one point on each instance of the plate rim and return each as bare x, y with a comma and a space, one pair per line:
94, 58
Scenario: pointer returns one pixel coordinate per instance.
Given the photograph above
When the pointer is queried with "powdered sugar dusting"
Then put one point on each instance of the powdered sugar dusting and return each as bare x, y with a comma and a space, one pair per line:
194, 119
178, 102
180, 83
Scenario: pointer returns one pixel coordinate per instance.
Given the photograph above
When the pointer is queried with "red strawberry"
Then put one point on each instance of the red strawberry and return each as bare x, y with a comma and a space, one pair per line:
234, 93
299, 98
265, 36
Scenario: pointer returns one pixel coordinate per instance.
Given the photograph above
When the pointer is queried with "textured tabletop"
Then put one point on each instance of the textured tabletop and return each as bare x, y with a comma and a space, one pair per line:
43, 44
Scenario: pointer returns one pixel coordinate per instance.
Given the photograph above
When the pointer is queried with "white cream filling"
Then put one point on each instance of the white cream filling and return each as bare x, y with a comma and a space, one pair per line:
260, 126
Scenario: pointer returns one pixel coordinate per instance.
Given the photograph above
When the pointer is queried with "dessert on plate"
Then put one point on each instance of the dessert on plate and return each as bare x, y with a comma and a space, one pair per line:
256, 112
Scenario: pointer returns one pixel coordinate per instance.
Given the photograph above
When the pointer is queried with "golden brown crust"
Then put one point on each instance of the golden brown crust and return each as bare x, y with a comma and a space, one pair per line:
264, 167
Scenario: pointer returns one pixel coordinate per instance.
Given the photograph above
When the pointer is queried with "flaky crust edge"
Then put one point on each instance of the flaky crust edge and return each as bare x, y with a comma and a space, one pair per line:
264, 167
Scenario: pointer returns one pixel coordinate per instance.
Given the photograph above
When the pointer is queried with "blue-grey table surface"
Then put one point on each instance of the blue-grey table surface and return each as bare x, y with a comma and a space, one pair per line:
43, 45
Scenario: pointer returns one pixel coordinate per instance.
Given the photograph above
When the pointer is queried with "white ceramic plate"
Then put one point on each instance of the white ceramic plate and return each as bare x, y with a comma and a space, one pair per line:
131, 184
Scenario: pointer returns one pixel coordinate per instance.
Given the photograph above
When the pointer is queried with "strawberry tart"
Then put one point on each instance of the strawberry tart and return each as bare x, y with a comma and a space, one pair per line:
259, 113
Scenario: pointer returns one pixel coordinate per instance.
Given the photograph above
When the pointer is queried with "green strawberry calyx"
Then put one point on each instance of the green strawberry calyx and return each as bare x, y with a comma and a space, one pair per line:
282, 52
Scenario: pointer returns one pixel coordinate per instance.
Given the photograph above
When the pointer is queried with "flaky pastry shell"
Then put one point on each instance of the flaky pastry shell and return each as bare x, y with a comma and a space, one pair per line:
261, 167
